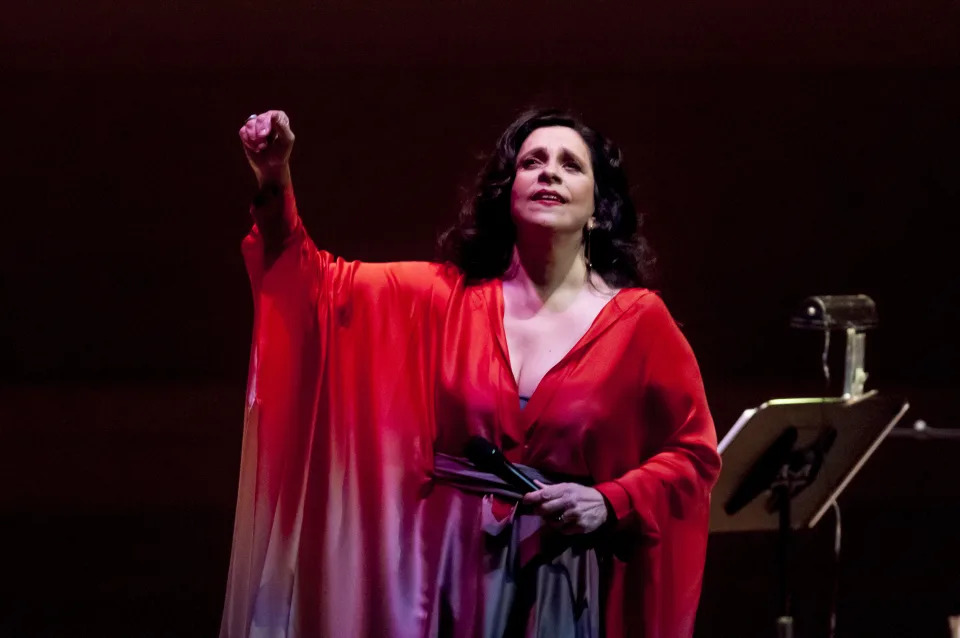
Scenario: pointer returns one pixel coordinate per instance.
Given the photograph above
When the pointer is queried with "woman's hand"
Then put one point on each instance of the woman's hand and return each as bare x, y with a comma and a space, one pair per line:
267, 142
574, 508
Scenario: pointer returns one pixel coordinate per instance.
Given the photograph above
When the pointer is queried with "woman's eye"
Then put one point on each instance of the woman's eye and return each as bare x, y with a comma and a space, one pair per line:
527, 163
573, 166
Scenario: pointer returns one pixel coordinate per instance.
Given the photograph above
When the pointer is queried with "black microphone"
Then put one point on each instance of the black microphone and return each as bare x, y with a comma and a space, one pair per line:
488, 457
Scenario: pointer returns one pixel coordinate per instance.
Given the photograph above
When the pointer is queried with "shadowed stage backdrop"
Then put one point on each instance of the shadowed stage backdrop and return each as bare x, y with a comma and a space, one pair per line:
778, 152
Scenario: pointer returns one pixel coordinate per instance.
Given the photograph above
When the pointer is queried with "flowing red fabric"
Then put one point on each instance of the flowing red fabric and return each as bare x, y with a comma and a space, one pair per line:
359, 372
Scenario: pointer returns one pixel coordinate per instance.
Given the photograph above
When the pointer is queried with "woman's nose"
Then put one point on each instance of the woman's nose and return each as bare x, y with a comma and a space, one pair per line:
549, 175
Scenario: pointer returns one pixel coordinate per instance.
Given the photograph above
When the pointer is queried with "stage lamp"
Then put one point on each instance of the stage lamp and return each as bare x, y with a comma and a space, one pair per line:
854, 314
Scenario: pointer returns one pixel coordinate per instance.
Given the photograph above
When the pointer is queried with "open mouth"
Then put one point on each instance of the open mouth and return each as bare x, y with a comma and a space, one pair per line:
547, 196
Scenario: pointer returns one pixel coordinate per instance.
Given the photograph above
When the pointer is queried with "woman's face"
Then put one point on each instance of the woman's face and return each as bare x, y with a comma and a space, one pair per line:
553, 187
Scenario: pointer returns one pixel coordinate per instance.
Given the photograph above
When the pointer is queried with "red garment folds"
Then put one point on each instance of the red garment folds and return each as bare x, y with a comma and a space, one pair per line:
360, 372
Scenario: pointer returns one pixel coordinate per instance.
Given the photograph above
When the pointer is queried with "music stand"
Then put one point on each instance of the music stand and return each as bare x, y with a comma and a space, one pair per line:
787, 461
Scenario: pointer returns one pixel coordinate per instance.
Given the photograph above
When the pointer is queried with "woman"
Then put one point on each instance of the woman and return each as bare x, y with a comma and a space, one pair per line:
357, 515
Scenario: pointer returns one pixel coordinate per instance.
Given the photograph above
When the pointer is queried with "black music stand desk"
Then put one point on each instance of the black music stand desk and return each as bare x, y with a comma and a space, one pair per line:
787, 461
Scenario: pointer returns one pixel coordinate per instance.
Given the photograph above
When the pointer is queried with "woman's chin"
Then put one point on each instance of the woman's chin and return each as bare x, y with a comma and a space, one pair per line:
548, 221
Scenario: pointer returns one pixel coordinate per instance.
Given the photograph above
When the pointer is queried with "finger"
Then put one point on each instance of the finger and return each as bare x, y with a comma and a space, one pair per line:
558, 490
555, 518
280, 126
263, 126
567, 522
248, 131
532, 498
549, 492
570, 521
555, 507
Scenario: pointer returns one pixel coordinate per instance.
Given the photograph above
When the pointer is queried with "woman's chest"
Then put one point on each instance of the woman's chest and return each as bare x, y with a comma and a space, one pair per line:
537, 344
583, 378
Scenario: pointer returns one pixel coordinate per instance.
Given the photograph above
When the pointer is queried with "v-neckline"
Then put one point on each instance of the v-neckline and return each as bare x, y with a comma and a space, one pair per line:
610, 311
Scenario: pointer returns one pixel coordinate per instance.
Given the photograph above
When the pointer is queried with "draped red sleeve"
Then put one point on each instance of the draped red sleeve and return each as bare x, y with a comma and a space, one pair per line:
336, 438
662, 505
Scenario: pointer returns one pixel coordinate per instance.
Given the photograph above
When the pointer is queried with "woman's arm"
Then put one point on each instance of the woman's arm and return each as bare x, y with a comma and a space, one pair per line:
267, 141
683, 463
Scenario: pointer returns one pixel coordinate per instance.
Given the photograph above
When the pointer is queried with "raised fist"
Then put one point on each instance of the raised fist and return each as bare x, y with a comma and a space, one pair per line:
267, 142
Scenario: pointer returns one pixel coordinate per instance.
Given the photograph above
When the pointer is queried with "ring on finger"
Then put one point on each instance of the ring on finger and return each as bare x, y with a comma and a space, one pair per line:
560, 517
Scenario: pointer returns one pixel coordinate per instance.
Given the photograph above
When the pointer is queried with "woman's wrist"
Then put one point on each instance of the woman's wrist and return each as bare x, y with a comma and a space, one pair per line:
278, 177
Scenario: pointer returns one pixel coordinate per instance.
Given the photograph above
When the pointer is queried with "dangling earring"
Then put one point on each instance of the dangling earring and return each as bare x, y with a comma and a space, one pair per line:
586, 243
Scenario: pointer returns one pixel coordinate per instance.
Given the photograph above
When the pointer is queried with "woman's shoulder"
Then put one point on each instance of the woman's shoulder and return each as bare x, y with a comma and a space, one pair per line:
647, 300
646, 307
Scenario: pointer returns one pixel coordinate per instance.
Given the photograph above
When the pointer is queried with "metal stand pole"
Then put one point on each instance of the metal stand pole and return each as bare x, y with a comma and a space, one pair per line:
785, 620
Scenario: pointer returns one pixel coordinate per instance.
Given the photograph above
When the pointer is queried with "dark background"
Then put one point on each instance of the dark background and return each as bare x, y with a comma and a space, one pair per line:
780, 150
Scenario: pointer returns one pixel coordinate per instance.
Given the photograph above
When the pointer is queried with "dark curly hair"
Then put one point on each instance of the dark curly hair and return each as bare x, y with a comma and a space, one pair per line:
481, 243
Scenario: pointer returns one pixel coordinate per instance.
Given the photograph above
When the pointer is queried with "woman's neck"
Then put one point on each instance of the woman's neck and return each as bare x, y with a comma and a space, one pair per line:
551, 265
